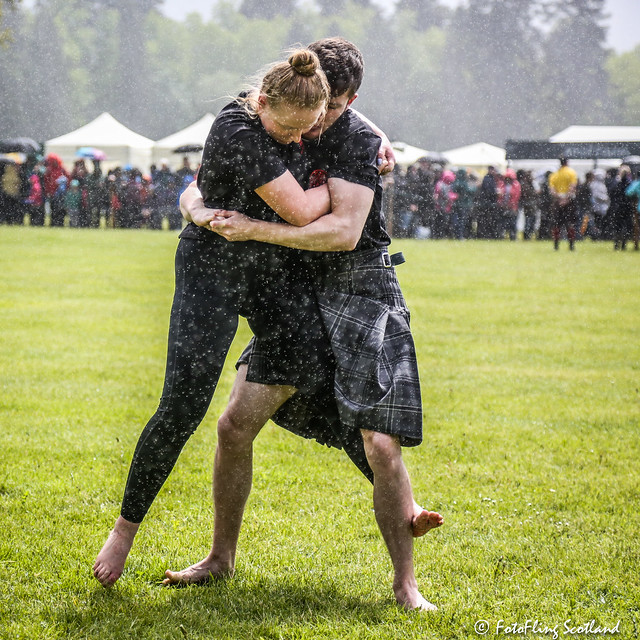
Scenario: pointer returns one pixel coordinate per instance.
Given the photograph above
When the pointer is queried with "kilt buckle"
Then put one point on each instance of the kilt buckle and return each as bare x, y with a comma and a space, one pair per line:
392, 261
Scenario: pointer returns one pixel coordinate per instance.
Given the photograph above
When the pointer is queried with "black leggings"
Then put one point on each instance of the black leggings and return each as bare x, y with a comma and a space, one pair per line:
215, 283
202, 326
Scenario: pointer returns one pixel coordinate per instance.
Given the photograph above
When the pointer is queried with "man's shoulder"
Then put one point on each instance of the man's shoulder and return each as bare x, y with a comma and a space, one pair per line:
349, 128
357, 127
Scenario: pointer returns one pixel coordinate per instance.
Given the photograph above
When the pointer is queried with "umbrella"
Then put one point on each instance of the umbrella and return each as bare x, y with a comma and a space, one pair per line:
188, 148
19, 145
13, 157
433, 156
91, 153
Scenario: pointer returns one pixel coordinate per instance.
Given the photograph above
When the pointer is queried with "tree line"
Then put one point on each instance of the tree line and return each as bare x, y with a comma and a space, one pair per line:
435, 77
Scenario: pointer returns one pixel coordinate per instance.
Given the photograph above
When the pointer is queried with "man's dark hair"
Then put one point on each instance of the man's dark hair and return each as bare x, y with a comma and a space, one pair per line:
342, 63
564, 161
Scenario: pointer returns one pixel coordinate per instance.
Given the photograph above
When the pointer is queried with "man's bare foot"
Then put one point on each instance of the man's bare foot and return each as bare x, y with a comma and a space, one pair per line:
411, 599
199, 573
424, 521
110, 562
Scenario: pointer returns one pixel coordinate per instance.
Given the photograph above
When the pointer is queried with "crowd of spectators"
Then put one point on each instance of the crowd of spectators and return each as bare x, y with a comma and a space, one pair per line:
425, 201
48, 193
431, 201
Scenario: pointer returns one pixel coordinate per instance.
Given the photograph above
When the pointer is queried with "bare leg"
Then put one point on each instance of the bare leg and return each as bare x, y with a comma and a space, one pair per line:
249, 408
394, 505
109, 564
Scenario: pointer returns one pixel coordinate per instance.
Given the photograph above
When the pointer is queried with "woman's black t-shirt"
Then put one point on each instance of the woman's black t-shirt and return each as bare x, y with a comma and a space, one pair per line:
265, 282
239, 156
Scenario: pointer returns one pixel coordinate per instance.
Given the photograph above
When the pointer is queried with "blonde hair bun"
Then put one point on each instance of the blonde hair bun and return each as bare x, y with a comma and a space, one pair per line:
304, 62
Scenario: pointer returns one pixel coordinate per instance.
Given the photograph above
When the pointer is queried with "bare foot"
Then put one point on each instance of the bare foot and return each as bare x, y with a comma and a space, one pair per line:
109, 564
199, 573
423, 605
424, 521
411, 599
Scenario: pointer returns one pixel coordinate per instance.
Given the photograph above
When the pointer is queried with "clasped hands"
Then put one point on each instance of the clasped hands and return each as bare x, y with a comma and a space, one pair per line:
231, 225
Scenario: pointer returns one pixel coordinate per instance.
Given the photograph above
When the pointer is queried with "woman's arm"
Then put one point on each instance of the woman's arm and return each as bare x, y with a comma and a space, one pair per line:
338, 231
292, 203
193, 209
284, 195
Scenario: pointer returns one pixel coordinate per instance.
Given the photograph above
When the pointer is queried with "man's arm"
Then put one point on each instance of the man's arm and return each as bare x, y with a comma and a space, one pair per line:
338, 231
386, 155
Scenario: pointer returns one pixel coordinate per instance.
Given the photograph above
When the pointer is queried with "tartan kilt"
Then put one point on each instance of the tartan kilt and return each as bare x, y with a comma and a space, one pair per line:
376, 383
375, 374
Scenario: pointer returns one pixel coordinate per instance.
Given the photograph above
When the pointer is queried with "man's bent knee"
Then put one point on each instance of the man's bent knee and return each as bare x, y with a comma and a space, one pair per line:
232, 433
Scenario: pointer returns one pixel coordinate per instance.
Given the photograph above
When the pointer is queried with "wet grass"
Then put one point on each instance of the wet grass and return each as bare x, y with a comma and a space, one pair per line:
530, 365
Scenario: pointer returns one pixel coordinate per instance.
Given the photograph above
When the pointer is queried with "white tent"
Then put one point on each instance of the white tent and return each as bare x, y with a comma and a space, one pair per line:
578, 133
406, 154
194, 134
477, 156
583, 134
121, 145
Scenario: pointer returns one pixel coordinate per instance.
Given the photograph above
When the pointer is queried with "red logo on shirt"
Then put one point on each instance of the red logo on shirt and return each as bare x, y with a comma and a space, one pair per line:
317, 178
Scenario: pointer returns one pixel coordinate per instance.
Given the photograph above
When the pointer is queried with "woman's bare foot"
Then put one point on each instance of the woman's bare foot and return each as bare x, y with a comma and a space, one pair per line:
424, 521
199, 573
110, 562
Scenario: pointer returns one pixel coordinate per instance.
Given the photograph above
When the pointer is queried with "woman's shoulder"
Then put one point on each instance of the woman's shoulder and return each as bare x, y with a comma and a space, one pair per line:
235, 134
234, 119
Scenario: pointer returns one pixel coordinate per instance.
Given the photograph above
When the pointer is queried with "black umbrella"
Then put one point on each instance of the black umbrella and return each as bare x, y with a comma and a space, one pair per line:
188, 148
433, 156
19, 145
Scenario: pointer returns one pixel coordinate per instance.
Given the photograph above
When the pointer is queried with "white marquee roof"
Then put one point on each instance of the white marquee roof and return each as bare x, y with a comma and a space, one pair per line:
120, 145
103, 132
578, 133
480, 154
407, 154
195, 133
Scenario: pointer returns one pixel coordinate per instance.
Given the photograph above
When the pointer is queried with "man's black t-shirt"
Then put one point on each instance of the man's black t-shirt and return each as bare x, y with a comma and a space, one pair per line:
348, 150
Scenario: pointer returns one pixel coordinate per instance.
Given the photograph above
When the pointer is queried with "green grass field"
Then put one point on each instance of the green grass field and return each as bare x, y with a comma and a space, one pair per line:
530, 367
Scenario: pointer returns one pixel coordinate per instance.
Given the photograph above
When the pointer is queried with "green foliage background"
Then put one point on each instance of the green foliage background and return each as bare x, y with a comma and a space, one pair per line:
435, 77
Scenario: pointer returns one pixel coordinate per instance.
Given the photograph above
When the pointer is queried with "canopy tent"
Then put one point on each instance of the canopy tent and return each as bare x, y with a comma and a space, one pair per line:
578, 133
195, 134
121, 145
406, 154
585, 146
477, 156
